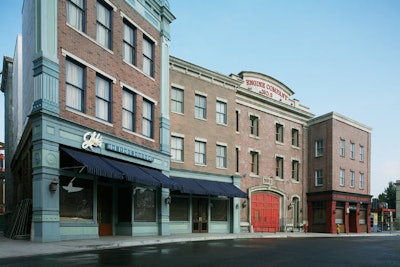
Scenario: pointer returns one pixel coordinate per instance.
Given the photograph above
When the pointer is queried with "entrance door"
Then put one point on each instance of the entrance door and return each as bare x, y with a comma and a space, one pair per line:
265, 212
200, 215
104, 209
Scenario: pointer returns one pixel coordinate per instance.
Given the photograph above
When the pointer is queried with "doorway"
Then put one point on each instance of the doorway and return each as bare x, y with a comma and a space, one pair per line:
200, 215
265, 212
104, 209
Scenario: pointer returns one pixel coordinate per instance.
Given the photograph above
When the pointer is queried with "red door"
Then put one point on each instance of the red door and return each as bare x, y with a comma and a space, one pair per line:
265, 212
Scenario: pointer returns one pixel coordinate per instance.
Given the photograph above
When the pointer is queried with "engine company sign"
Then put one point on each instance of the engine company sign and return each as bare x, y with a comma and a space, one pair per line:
267, 89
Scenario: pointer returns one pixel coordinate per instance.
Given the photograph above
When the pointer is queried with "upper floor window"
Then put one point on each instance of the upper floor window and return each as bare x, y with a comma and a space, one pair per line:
253, 125
148, 119
200, 152
128, 110
103, 98
177, 100
237, 150
148, 56
295, 170
279, 167
75, 86
279, 133
177, 148
200, 107
342, 177
103, 25
342, 147
362, 153
221, 112
362, 181
319, 148
352, 178
237, 120
295, 138
221, 156
319, 178
76, 14
352, 150
129, 43
254, 162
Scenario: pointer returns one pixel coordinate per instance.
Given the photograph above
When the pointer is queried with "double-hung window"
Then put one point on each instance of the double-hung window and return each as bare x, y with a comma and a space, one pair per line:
200, 152
148, 119
362, 153
221, 156
352, 178
319, 148
279, 133
177, 98
253, 125
103, 98
75, 86
279, 167
342, 147
352, 150
129, 43
128, 110
103, 25
148, 56
76, 14
254, 162
362, 181
342, 177
221, 112
295, 138
295, 170
200, 108
177, 148
319, 178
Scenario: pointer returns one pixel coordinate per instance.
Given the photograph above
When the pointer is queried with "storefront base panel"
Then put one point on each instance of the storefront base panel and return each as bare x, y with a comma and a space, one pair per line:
45, 232
180, 228
219, 228
124, 229
145, 230
79, 232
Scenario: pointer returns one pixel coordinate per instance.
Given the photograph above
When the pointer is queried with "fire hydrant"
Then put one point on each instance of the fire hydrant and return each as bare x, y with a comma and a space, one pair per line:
305, 228
337, 228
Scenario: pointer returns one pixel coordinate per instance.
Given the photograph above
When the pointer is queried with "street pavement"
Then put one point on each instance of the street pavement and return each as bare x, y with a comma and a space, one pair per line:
20, 248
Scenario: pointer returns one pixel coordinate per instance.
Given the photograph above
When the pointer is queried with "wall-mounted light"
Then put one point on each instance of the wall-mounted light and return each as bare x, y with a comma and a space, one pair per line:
168, 199
244, 204
53, 185
334, 211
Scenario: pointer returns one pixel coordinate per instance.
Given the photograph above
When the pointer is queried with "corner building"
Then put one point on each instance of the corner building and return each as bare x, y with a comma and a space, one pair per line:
92, 105
338, 194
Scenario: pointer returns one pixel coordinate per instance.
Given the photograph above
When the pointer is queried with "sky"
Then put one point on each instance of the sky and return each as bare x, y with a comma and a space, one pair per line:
336, 55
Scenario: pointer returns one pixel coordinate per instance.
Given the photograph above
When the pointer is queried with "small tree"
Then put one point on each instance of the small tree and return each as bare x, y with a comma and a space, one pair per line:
389, 196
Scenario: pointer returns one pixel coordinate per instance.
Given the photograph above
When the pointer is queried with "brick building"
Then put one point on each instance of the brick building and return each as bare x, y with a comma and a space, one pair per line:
92, 103
338, 192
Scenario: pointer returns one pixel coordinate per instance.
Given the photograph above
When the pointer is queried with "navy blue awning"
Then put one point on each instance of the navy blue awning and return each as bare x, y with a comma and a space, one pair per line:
206, 187
102, 166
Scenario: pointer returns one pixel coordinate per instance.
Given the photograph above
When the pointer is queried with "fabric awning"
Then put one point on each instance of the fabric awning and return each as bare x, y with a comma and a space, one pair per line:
206, 187
103, 166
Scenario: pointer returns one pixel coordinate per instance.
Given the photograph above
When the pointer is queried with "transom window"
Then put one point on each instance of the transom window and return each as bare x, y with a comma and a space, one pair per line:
75, 86
103, 98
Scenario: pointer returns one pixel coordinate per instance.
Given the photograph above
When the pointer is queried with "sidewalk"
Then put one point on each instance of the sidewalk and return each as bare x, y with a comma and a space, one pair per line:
19, 248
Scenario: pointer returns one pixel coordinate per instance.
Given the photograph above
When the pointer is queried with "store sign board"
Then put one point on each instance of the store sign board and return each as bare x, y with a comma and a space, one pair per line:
265, 88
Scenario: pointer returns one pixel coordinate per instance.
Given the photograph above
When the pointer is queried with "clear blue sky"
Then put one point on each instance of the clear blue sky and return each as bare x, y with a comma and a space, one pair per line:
336, 55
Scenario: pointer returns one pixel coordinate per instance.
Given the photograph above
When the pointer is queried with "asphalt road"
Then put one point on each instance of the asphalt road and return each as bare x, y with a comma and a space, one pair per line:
352, 251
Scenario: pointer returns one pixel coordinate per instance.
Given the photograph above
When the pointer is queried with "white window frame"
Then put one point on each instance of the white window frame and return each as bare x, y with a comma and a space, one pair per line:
221, 156
200, 152
319, 177
221, 112
342, 148
177, 148
342, 177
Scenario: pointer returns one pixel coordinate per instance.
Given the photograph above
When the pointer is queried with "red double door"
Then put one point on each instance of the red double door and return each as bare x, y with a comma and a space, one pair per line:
265, 212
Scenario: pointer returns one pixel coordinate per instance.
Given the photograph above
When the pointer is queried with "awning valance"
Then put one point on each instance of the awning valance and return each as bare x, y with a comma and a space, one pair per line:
111, 168
206, 187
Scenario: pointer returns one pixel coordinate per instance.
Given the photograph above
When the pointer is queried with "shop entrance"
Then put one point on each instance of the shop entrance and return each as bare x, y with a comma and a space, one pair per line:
200, 215
265, 212
104, 209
